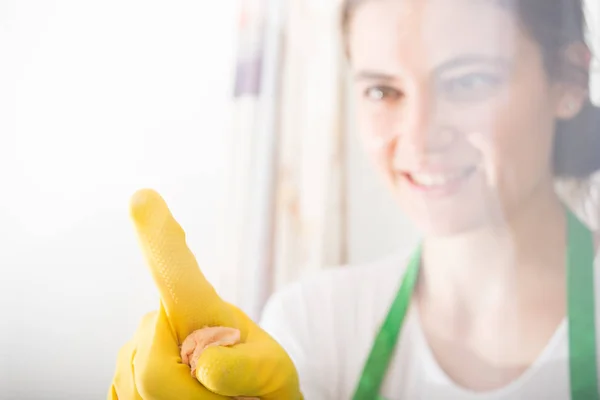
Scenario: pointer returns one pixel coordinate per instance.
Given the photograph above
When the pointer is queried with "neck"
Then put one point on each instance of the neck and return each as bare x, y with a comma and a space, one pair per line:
494, 266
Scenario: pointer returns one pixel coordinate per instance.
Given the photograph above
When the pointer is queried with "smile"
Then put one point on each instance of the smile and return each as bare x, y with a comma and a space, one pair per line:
439, 183
433, 180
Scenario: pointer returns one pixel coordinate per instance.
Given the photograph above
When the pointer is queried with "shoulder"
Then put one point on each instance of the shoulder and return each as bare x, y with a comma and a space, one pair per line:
339, 287
583, 197
321, 318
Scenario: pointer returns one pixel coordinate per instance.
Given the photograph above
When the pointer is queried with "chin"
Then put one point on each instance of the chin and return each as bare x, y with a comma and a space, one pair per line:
446, 227
456, 210
454, 218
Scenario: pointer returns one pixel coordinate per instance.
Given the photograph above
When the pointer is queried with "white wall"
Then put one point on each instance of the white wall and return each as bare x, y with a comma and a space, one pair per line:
98, 99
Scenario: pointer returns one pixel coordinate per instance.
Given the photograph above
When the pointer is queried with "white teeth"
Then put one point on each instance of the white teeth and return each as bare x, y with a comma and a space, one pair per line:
430, 180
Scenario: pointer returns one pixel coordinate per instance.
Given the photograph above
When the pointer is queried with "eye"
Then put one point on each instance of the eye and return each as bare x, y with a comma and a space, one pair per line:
473, 86
381, 93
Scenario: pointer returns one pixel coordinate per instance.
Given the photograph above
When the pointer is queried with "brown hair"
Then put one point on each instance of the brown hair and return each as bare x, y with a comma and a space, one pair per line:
554, 24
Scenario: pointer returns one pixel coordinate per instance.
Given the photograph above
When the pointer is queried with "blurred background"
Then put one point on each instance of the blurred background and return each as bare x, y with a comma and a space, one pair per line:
237, 112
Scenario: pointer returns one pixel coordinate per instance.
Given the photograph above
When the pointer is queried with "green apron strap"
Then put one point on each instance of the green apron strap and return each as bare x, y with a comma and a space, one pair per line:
581, 312
581, 316
383, 348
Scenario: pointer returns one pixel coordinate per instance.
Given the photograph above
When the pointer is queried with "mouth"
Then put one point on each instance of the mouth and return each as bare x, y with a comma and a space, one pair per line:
439, 183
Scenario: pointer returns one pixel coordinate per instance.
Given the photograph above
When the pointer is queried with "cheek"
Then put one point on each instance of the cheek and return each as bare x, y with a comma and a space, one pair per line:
377, 122
526, 126
525, 138
517, 147
373, 130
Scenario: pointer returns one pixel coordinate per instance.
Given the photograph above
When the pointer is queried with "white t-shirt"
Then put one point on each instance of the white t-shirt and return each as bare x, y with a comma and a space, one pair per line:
328, 323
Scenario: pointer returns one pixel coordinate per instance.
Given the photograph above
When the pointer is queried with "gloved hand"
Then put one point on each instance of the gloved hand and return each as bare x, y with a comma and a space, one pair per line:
150, 366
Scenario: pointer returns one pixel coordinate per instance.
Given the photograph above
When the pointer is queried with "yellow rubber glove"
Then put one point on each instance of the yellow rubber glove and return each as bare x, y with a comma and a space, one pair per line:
150, 366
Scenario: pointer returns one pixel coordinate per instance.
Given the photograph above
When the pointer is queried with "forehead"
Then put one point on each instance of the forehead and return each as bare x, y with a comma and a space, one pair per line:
400, 32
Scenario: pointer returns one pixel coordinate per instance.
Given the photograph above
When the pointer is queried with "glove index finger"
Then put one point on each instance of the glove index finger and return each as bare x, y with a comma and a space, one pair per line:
190, 301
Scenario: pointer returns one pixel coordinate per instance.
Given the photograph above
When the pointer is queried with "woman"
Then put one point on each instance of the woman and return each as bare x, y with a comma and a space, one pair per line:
471, 110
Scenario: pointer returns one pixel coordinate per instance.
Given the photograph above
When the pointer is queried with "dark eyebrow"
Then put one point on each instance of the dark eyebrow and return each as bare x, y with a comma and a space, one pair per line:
461, 61
472, 59
373, 76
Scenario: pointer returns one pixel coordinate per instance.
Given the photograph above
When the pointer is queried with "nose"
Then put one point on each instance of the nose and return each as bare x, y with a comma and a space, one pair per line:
420, 128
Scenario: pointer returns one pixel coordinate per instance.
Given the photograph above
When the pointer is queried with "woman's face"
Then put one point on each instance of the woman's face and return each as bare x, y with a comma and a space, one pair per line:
455, 105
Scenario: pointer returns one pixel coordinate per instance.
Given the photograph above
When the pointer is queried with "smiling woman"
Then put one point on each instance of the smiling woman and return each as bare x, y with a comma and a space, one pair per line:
471, 110
474, 75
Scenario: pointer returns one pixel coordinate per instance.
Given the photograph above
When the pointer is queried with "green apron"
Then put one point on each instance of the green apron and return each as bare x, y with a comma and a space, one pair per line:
581, 318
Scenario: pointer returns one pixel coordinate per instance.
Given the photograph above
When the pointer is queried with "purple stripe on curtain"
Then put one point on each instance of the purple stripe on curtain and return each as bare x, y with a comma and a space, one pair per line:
248, 77
251, 50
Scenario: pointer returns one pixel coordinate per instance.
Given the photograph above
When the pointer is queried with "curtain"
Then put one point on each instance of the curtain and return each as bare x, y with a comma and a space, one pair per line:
283, 212
310, 215
593, 20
